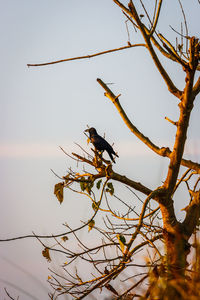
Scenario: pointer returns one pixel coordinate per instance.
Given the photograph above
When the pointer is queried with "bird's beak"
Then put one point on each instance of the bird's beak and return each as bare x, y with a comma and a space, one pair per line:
87, 130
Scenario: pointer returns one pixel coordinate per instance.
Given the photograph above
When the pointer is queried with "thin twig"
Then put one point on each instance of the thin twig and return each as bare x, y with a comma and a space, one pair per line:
185, 21
86, 56
169, 120
132, 287
8, 294
156, 18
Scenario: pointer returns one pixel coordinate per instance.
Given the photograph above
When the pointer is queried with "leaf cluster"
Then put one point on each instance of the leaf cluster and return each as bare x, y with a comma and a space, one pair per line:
86, 185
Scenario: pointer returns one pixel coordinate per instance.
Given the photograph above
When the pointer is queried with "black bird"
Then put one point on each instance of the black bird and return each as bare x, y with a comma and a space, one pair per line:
100, 143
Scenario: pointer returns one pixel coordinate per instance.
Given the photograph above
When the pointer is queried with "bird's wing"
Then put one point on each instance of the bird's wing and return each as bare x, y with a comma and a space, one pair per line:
101, 144
98, 142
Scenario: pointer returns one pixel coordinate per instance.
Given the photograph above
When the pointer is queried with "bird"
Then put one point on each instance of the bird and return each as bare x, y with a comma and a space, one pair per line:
100, 143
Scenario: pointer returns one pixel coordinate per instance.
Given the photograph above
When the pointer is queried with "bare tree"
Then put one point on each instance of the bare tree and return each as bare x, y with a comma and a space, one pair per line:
123, 233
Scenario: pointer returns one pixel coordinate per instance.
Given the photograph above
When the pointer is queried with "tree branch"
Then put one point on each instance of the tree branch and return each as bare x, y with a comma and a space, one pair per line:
165, 152
196, 88
166, 54
153, 39
167, 45
192, 214
156, 18
135, 185
153, 195
185, 110
115, 100
133, 14
86, 56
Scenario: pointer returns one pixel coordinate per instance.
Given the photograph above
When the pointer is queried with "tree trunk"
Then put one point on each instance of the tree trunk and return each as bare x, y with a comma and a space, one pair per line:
176, 242
170, 281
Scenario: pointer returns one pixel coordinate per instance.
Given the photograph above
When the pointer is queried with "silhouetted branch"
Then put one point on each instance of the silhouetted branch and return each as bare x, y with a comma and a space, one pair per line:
9, 296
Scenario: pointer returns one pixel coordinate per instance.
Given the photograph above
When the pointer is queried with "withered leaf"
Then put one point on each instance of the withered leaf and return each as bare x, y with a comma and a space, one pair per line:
64, 238
95, 205
110, 188
122, 241
91, 225
46, 254
58, 191
99, 184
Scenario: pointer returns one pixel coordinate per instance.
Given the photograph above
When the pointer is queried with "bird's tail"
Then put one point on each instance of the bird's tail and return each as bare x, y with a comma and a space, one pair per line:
110, 154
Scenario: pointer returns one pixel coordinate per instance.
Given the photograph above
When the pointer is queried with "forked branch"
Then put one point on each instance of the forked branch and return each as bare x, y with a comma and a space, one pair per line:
131, 11
160, 151
185, 107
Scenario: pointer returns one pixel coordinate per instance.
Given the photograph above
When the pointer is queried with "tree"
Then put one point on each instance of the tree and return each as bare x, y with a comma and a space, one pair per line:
127, 231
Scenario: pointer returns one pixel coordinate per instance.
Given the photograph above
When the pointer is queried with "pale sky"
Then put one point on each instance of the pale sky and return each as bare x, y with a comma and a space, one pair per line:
47, 107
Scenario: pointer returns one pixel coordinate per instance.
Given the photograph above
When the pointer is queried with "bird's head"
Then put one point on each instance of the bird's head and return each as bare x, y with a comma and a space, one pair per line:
92, 131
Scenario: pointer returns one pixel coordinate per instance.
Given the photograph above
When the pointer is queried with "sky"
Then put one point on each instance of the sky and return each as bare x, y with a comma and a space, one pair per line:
46, 107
